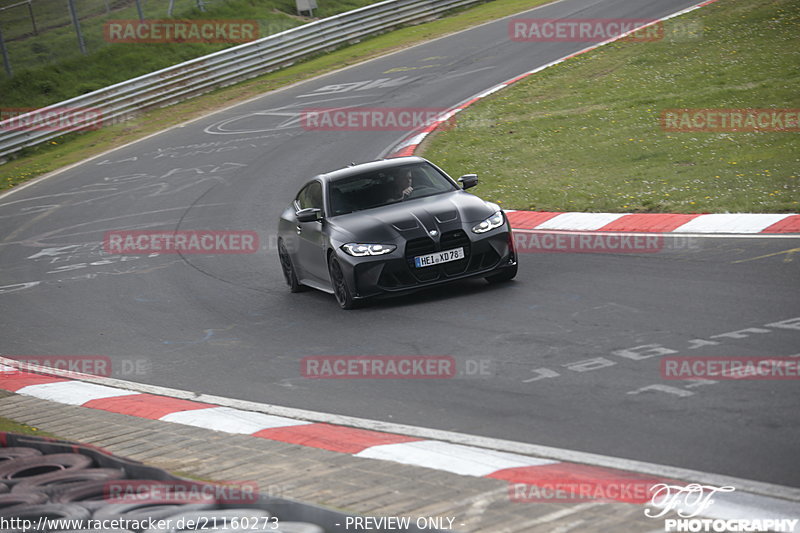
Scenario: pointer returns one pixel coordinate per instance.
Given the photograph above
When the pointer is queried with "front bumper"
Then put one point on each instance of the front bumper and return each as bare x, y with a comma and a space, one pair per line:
484, 255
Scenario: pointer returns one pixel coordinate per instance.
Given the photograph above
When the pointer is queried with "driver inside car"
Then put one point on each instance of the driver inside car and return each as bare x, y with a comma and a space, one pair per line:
403, 186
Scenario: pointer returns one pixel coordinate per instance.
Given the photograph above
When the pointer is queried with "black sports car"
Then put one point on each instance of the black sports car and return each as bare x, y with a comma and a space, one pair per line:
389, 226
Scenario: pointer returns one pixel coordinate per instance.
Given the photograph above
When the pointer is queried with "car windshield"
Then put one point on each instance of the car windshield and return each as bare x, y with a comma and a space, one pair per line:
386, 186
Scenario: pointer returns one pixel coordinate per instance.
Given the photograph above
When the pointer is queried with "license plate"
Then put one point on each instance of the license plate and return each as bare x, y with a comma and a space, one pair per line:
439, 258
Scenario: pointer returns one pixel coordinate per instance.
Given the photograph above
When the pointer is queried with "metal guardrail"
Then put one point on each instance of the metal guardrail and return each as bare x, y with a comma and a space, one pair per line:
182, 81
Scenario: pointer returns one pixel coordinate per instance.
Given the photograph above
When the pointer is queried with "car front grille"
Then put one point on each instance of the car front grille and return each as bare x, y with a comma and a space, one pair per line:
451, 240
405, 275
425, 245
421, 246
483, 260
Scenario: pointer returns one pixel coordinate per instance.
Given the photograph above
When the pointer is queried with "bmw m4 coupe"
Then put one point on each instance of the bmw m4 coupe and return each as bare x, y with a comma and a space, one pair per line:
391, 226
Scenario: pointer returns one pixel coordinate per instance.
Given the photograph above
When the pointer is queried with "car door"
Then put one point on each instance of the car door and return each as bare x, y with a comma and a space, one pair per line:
311, 243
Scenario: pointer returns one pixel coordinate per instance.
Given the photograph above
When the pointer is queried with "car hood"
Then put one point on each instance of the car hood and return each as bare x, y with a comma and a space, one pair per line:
413, 218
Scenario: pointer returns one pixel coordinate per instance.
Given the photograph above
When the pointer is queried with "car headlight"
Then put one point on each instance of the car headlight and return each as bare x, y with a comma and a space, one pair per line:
494, 221
363, 250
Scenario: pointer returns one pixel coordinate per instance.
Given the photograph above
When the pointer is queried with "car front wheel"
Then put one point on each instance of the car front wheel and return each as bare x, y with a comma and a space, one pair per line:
288, 269
340, 289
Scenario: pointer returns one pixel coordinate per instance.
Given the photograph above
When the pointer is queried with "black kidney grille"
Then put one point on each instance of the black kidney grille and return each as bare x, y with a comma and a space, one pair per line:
455, 239
421, 246
424, 245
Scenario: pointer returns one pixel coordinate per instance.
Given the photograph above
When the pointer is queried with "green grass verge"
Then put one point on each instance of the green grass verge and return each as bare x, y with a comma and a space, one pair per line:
50, 68
69, 149
585, 135
6, 424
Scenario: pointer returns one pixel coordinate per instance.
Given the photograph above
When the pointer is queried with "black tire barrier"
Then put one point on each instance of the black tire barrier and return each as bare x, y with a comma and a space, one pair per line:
25, 468
97, 531
90, 492
10, 501
151, 509
297, 527
62, 480
7, 454
90, 498
49, 511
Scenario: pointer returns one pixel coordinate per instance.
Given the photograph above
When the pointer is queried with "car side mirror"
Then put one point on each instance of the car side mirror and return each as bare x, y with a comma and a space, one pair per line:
468, 180
309, 214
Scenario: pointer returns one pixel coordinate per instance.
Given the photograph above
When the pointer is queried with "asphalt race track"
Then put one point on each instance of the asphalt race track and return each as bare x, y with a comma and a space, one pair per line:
555, 345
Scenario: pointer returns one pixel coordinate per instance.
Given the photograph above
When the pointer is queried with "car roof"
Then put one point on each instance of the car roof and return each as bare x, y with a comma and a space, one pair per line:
381, 164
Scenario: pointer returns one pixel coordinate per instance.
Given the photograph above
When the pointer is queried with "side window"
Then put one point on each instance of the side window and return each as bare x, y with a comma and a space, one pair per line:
298, 202
315, 195
310, 196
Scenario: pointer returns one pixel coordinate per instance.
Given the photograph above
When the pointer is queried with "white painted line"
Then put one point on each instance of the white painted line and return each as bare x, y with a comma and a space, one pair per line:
493, 90
72, 392
731, 223
455, 458
580, 221
416, 139
5, 368
230, 420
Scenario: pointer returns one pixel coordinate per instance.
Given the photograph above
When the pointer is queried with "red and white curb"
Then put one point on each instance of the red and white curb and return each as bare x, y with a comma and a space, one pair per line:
728, 223
768, 501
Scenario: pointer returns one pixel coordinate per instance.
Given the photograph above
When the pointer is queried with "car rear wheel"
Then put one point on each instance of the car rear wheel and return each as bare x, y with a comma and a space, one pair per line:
340, 289
288, 269
506, 275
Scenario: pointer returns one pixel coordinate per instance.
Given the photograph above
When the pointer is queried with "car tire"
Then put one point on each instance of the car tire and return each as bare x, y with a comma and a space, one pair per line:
289, 273
506, 275
17, 500
32, 467
62, 480
7, 454
51, 511
298, 527
154, 509
340, 289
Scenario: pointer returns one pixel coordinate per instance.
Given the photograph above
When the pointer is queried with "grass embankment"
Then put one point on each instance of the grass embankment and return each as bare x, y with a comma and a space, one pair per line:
50, 68
586, 135
11, 426
69, 149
